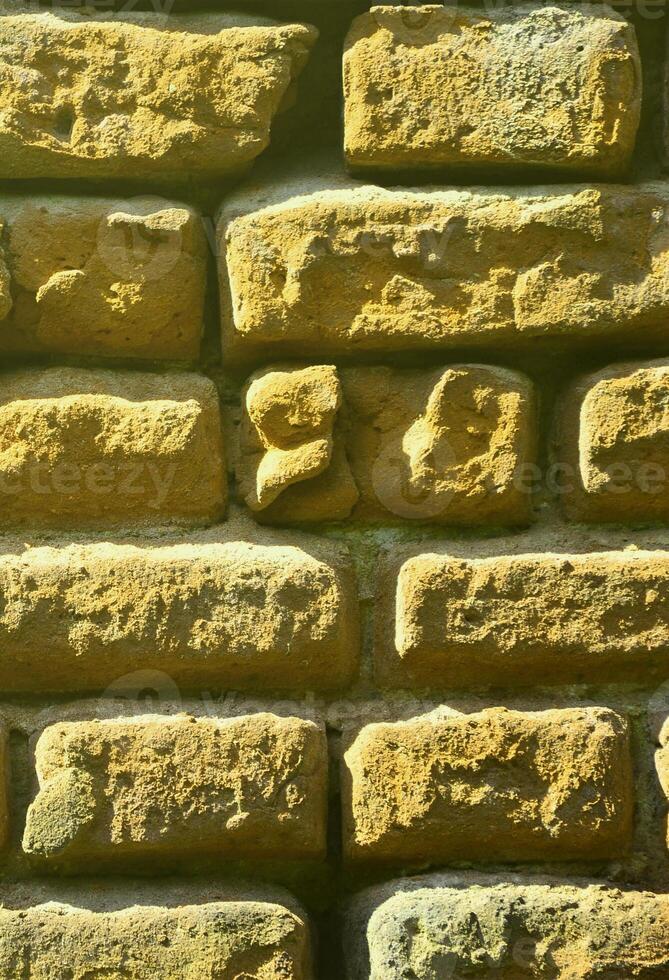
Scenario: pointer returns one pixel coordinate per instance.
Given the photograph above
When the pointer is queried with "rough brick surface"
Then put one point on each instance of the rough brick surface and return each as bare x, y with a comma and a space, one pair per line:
517, 620
246, 615
446, 445
320, 268
169, 787
141, 95
448, 926
556, 87
292, 464
231, 940
102, 276
429, 630
500, 784
613, 444
78, 446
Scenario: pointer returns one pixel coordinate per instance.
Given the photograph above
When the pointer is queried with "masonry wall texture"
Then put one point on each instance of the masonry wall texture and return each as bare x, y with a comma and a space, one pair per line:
334, 490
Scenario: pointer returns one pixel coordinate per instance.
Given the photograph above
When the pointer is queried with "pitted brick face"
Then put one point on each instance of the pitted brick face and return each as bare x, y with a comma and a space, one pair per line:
234, 939
121, 790
102, 277
434, 923
141, 96
612, 437
259, 617
330, 268
553, 785
525, 619
555, 87
81, 446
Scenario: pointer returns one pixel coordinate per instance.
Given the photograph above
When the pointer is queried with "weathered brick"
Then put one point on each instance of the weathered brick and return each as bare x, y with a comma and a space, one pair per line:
319, 443
612, 444
261, 935
452, 926
446, 620
445, 445
500, 785
172, 787
230, 613
80, 446
140, 95
556, 87
320, 268
292, 464
101, 276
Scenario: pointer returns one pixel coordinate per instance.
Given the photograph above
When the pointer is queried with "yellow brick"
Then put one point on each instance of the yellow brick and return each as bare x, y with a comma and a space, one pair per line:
100, 276
499, 785
464, 925
167, 788
292, 464
522, 85
325, 267
242, 615
612, 444
141, 95
662, 766
79, 447
516, 620
230, 939
446, 445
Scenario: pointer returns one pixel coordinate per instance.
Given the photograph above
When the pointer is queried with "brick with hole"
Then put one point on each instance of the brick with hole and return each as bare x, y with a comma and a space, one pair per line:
456, 620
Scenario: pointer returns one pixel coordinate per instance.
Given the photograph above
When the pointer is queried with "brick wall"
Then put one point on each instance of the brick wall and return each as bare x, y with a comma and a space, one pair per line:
334, 491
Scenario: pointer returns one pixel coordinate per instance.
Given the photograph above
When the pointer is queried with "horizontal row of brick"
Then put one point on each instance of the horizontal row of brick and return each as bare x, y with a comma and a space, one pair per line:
331, 267
446, 925
555, 87
85, 447
282, 614
497, 785
422, 927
